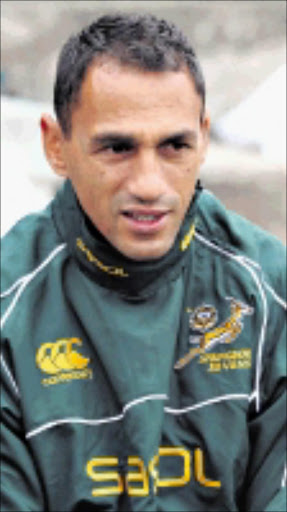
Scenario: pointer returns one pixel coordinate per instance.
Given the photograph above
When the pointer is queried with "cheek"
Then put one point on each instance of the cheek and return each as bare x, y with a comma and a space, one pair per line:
100, 198
188, 178
98, 209
92, 182
187, 185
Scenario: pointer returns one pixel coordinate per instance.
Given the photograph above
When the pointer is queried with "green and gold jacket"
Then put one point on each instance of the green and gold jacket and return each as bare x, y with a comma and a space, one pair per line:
131, 386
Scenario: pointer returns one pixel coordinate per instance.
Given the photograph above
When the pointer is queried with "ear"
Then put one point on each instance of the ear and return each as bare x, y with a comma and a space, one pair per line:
205, 133
53, 142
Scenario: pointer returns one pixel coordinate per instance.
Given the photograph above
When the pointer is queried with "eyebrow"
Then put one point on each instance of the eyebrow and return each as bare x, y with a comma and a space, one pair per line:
110, 138
185, 135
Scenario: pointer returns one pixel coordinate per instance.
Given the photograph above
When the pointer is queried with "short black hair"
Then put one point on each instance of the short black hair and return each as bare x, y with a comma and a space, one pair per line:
141, 41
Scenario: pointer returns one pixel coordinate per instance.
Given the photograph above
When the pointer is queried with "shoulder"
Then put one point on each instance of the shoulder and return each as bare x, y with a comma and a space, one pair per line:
30, 242
229, 234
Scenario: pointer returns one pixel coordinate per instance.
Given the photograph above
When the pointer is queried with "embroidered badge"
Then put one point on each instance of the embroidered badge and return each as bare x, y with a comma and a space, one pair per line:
62, 361
203, 319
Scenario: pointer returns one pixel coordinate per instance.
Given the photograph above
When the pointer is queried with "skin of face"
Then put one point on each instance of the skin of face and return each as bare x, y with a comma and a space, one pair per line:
134, 154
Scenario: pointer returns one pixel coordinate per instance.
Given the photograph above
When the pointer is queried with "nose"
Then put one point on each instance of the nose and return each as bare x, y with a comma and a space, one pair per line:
147, 180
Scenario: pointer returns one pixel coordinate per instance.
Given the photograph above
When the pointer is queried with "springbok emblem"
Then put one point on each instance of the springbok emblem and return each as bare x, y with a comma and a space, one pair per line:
226, 332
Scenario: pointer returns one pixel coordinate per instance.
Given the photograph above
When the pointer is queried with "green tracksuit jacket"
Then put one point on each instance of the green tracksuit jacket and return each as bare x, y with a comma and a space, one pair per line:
143, 387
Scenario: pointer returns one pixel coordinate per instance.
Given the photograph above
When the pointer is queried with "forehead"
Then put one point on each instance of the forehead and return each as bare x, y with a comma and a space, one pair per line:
116, 96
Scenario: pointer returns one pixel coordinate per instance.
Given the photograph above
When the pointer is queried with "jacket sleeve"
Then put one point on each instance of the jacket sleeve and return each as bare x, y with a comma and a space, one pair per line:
265, 485
20, 485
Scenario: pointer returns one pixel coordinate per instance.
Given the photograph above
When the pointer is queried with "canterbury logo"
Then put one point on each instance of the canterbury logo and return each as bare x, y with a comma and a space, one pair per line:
54, 358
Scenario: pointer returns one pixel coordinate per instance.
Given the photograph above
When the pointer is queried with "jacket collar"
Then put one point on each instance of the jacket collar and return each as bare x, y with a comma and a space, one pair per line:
107, 266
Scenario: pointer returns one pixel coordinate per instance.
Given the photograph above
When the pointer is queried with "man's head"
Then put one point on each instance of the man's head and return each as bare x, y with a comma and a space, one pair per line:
142, 42
131, 129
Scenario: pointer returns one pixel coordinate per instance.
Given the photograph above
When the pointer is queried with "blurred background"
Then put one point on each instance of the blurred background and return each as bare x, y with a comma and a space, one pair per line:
242, 48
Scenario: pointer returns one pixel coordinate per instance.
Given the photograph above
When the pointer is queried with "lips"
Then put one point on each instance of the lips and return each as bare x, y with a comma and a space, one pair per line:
144, 217
145, 221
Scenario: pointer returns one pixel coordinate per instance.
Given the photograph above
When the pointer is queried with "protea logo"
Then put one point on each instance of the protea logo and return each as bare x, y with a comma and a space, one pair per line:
62, 361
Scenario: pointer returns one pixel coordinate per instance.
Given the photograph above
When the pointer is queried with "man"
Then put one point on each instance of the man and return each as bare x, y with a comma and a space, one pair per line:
143, 324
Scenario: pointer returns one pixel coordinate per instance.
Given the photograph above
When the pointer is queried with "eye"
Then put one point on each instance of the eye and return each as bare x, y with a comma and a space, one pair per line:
177, 145
174, 147
119, 147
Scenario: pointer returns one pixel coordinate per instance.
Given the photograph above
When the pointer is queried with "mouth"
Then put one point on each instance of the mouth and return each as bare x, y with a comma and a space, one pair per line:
145, 221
